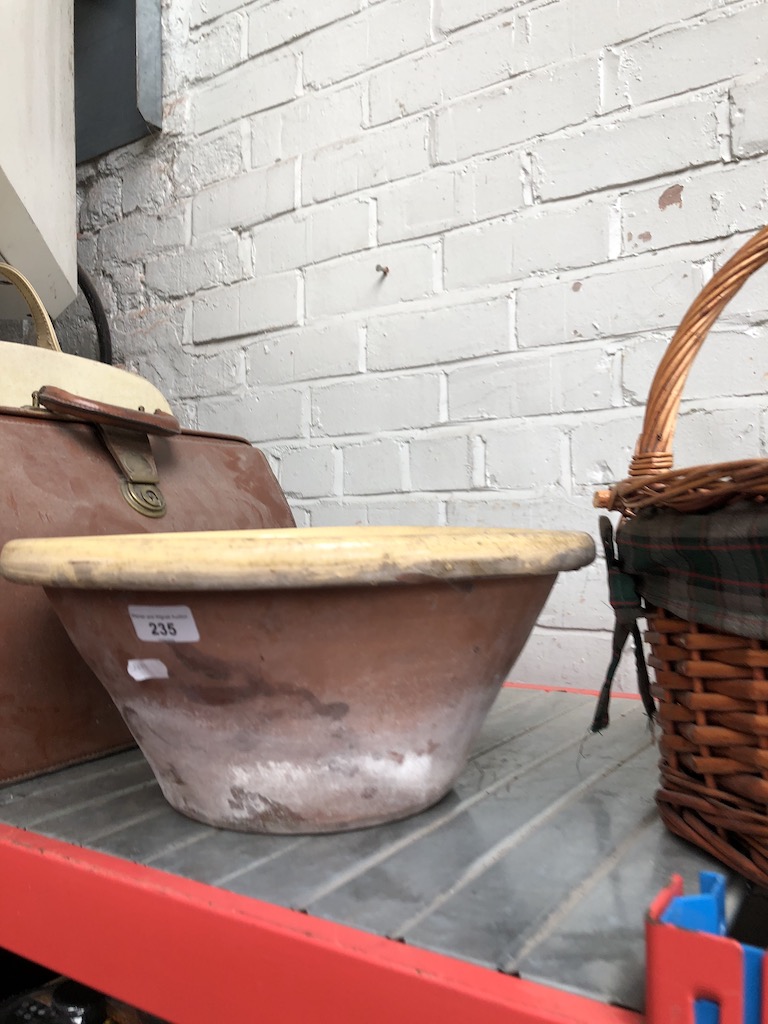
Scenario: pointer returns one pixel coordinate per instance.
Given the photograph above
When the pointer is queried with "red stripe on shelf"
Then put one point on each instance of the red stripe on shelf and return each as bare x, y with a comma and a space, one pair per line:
568, 689
194, 954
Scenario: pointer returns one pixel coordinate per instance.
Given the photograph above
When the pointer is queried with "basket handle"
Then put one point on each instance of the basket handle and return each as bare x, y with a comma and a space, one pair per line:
653, 451
46, 336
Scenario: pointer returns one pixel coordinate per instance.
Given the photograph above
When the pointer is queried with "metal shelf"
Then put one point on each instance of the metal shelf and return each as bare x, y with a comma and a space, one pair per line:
520, 898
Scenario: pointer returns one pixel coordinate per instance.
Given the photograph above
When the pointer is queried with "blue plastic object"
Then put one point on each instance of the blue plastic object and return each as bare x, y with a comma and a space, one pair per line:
705, 912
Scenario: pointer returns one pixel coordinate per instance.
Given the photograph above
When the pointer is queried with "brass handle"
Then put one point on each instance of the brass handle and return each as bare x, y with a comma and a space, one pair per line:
88, 410
46, 336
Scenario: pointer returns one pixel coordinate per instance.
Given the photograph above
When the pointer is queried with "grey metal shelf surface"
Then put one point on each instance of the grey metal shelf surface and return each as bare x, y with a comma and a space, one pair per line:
541, 862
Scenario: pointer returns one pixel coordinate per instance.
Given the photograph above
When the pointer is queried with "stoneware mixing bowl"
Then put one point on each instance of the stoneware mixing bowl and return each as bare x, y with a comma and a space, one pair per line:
301, 680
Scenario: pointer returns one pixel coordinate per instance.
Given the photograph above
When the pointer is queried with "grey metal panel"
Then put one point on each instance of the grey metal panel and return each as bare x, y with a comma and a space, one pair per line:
500, 901
153, 835
595, 943
220, 855
541, 861
31, 803
149, 62
84, 823
330, 861
118, 80
394, 895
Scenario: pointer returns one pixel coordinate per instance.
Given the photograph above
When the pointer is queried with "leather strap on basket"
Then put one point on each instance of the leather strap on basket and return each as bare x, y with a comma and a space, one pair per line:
627, 608
46, 335
652, 480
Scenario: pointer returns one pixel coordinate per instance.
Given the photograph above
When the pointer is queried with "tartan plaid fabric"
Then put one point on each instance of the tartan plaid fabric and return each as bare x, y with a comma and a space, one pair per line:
710, 568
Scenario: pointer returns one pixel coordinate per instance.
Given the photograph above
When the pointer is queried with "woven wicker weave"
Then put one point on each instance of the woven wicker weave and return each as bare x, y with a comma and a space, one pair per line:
711, 688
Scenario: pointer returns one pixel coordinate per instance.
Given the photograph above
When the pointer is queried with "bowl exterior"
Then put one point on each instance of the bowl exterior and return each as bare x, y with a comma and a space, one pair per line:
300, 711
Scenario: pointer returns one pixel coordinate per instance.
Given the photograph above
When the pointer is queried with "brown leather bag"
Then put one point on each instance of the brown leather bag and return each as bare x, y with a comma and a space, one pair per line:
75, 465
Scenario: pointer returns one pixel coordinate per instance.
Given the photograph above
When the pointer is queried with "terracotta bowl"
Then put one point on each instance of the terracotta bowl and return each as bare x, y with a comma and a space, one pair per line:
301, 680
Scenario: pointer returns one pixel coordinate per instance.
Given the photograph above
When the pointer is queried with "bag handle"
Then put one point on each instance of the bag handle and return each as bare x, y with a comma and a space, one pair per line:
653, 452
46, 335
61, 402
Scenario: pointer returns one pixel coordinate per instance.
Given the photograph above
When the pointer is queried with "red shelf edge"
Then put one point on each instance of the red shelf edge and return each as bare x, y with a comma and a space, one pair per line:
195, 954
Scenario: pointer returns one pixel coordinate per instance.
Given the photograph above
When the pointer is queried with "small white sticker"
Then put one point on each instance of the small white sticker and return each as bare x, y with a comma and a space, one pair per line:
147, 668
170, 624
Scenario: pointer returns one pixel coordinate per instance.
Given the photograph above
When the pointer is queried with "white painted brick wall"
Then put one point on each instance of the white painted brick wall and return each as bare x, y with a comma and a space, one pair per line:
438, 335
549, 186
374, 467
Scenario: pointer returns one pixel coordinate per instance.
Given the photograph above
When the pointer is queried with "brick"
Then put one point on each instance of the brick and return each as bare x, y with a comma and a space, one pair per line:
627, 150
245, 200
315, 121
375, 467
424, 206
497, 185
147, 328
201, 11
441, 462
439, 335
377, 35
258, 416
694, 55
322, 233
447, 197
557, 510
218, 374
337, 513
602, 447
308, 472
373, 404
555, 32
181, 374
520, 458
120, 286
479, 255
244, 90
731, 362
195, 269
547, 239
307, 354
532, 104
265, 304
101, 205
311, 122
749, 101
443, 73
301, 516
718, 434
138, 234
282, 21
750, 304
624, 301
217, 50
149, 186
373, 158
579, 600
416, 511
353, 282
202, 162
531, 384
455, 14
694, 207
557, 658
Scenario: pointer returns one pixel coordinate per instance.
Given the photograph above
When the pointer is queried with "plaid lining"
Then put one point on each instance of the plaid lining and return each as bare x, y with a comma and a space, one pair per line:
710, 568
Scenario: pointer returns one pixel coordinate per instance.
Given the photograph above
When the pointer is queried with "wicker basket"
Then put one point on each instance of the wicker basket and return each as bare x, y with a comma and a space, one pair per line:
711, 687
